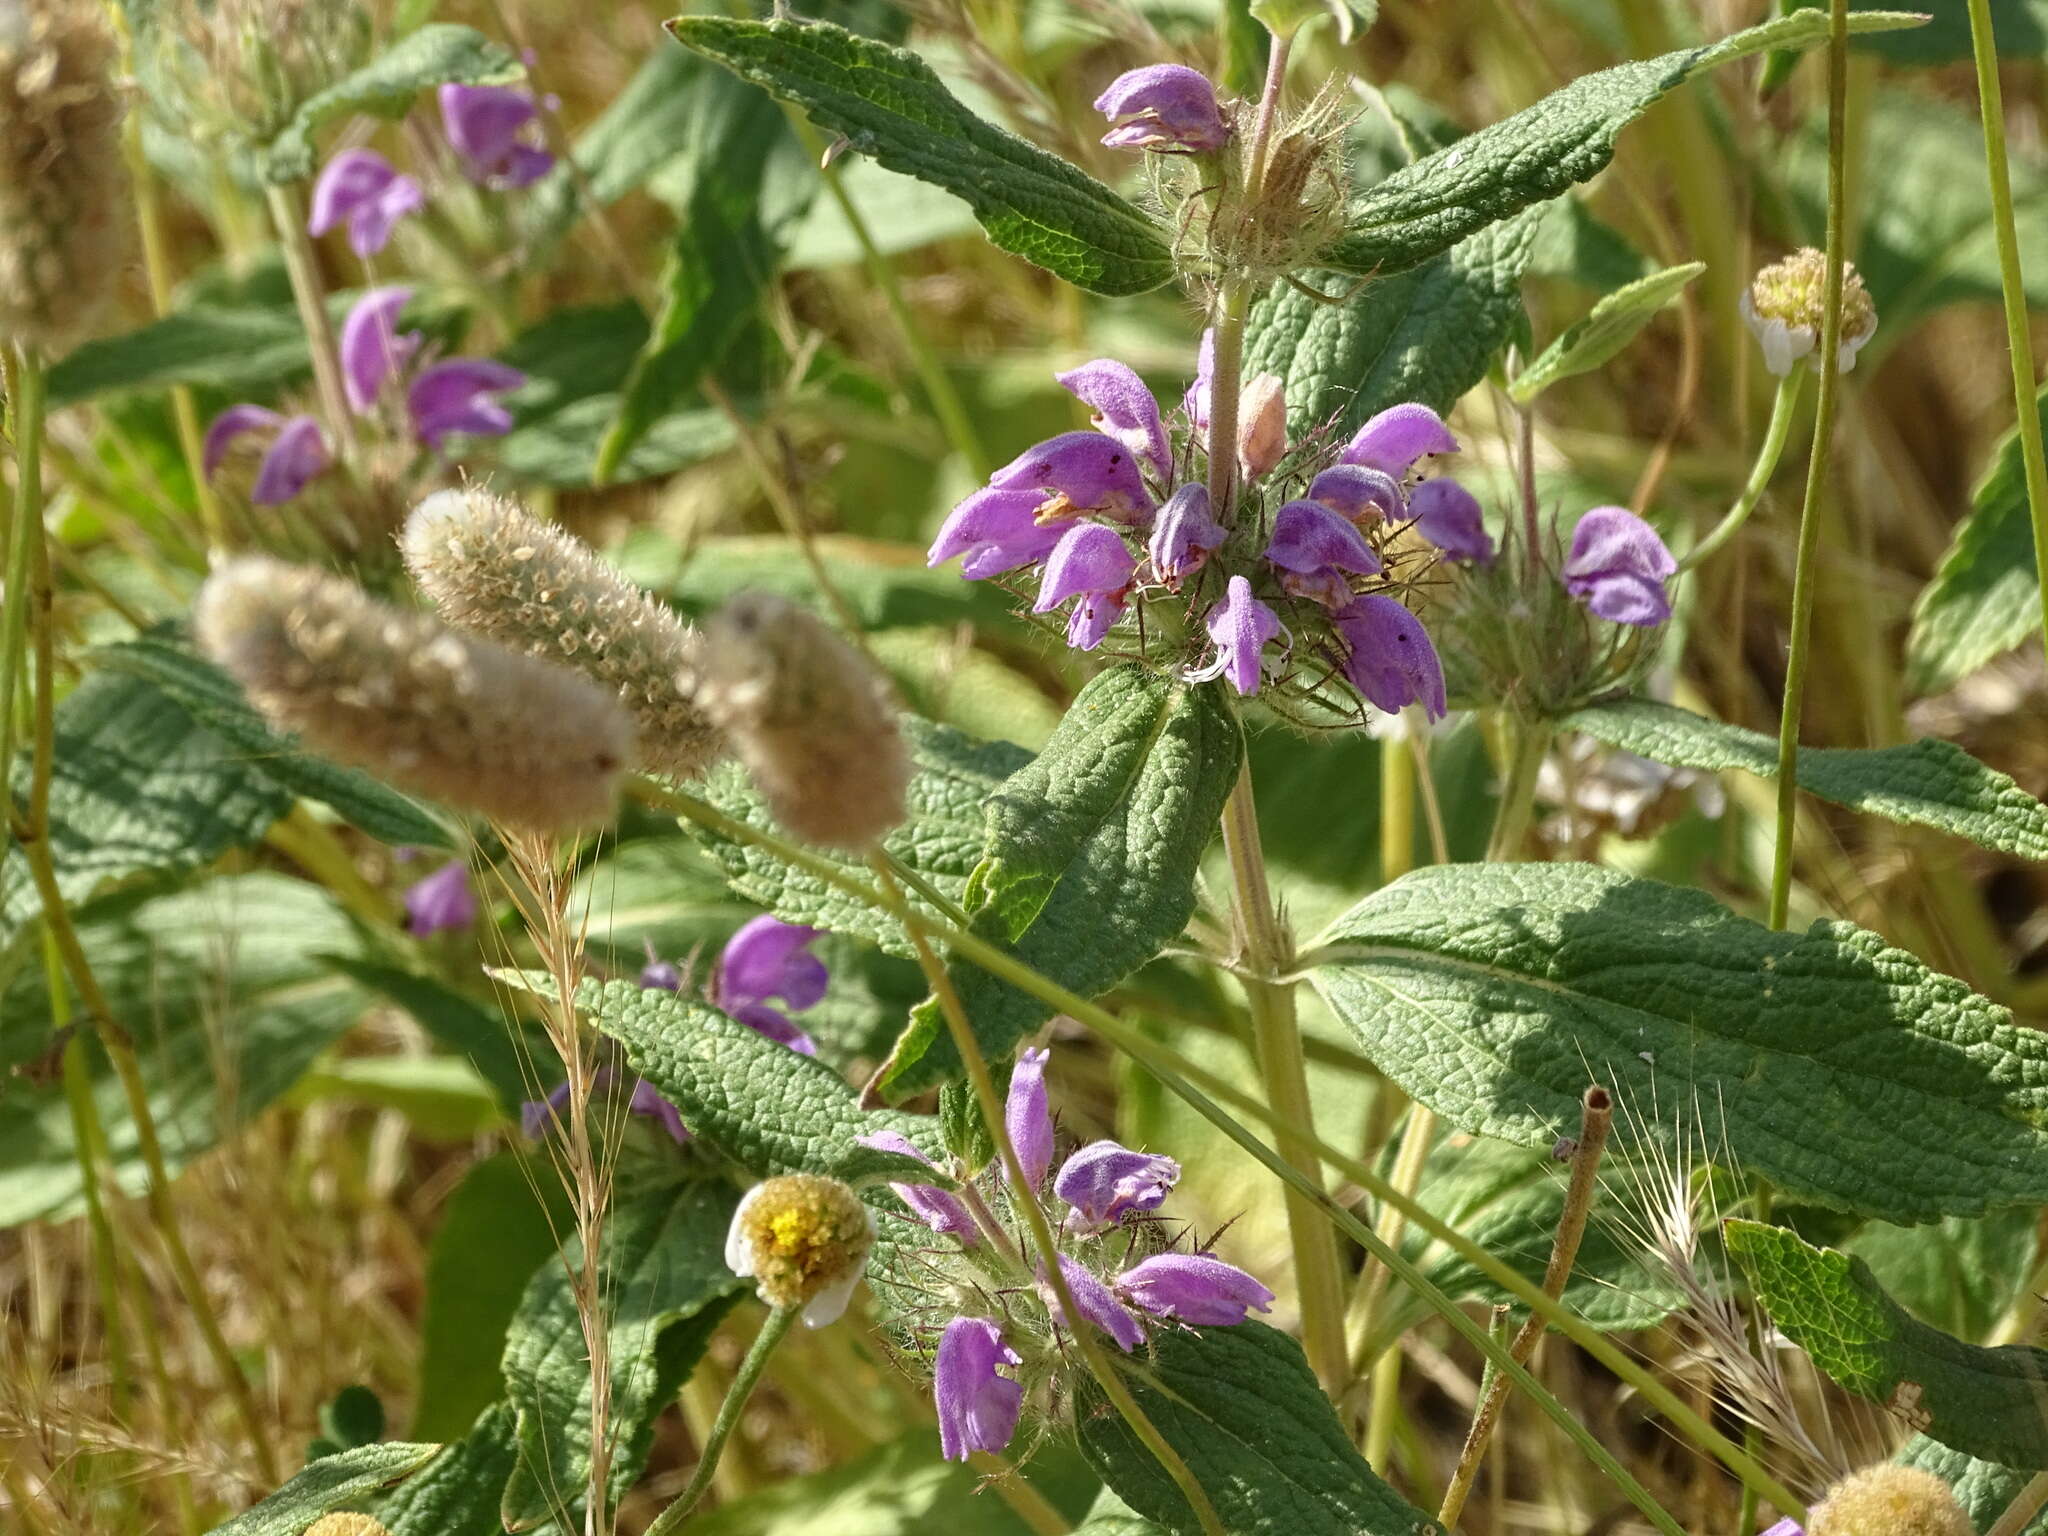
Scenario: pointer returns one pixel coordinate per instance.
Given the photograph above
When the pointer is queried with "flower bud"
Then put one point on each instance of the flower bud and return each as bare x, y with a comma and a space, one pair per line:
812, 720
1785, 307
61, 194
1165, 107
803, 1240
347, 1525
437, 713
494, 571
1262, 424
1887, 1500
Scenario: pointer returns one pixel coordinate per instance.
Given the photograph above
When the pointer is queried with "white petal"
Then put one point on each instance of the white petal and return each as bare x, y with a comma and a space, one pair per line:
739, 1255
829, 1305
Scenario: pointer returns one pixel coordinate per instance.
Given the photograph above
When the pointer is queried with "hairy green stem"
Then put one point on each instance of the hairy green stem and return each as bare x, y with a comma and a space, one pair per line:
1783, 407
1530, 740
743, 1383
302, 266
1805, 575
1397, 807
24, 532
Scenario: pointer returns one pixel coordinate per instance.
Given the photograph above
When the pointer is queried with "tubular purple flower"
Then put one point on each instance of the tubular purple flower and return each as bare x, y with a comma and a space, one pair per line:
1448, 516
1105, 1182
359, 187
996, 531
1124, 409
1026, 1115
1239, 626
647, 1102
1618, 566
441, 902
298, 455
457, 396
936, 1208
1392, 663
535, 1115
230, 424
1184, 534
1317, 551
978, 1407
1197, 1288
769, 960
483, 124
1078, 472
1394, 439
1165, 107
372, 350
1089, 562
1096, 1303
1359, 492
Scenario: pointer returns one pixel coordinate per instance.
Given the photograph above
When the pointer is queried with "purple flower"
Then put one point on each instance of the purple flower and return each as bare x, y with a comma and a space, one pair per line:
1105, 1182
1167, 107
1392, 662
1089, 562
937, 1208
1095, 1302
1317, 552
1786, 1528
1359, 492
372, 351
1448, 516
1197, 1288
1026, 1117
996, 531
770, 960
977, 1406
1183, 535
483, 124
535, 1115
647, 1101
1239, 626
441, 902
1618, 567
359, 187
457, 396
665, 975
1124, 409
1394, 439
297, 454
1078, 472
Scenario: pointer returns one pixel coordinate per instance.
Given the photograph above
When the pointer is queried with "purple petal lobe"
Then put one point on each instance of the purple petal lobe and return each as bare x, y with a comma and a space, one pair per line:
1618, 566
1088, 471
1105, 1182
1448, 516
1088, 558
937, 1208
978, 1407
1240, 626
231, 424
1163, 106
1026, 1115
441, 902
773, 1024
996, 531
1309, 538
1392, 663
1096, 1303
483, 123
1124, 409
297, 456
1184, 534
457, 396
1359, 492
647, 1101
1394, 439
1092, 618
360, 187
1196, 1288
769, 958
372, 351
535, 1114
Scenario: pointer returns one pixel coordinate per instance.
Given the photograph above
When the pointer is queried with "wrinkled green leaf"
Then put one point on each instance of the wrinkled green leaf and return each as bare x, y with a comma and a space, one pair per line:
1088, 869
1927, 783
890, 105
1613, 323
1495, 993
1246, 1415
1989, 1403
441, 1098
328, 1484
1983, 1488
240, 350
1111, 1516
458, 1493
1961, 1276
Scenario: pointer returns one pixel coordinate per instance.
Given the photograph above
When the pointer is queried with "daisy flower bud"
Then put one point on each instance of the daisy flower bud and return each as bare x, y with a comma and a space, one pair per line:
1887, 1500
493, 570
1784, 308
803, 1240
434, 712
813, 721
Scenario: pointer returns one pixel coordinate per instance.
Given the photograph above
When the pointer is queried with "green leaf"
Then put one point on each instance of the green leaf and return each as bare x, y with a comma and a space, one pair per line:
329, 1484
1926, 783
1428, 334
890, 105
1495, 993
1985, 597
1990, 1403
1983, 1488
666, 1289
1962, 1276
434, 55
2019, 26
1613, 323
1565, 138
219, 985
458, 1493
1089, 866
240, 350
1111, 1516
1246, 1415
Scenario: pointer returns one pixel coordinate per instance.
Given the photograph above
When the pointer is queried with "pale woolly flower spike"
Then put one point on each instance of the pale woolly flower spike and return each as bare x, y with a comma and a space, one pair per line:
522, 742
1890, 1500
494, 570
814, 722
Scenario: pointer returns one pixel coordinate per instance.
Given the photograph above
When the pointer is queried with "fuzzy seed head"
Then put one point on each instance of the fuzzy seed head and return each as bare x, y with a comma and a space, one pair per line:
495, 571
814, 723
237, 70
522, 742
1887, 1500
62, 236
347, 1525
804, 1240
1785, 306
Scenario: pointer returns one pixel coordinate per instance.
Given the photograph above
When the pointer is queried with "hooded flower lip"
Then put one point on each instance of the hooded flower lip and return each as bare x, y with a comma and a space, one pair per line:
372, 350
995, 531
1078, 472
1026, 1116
1195, 1288
1358, 492
1395, 438
1105, 1182
360, 188
1089, 562
1166, 107
1240, 627
1391, 662
1618, 566
1124, 409
1095, 1302
937, 1208
483, 124
769, 961
298, 452
978, 1406
1184, 535
1317, 551
1448, 516
441, 902
459, 396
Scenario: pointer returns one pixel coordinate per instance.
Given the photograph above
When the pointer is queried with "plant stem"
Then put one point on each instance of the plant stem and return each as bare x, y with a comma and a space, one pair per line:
1804, 572
2019, 345
1391, 1226
1596, 1119
743, 1383
302, 265
24, 533
1783, 408
84, 1143
1397, 807
1269, 107
2021, 1511
1099, 1365
1530, 739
